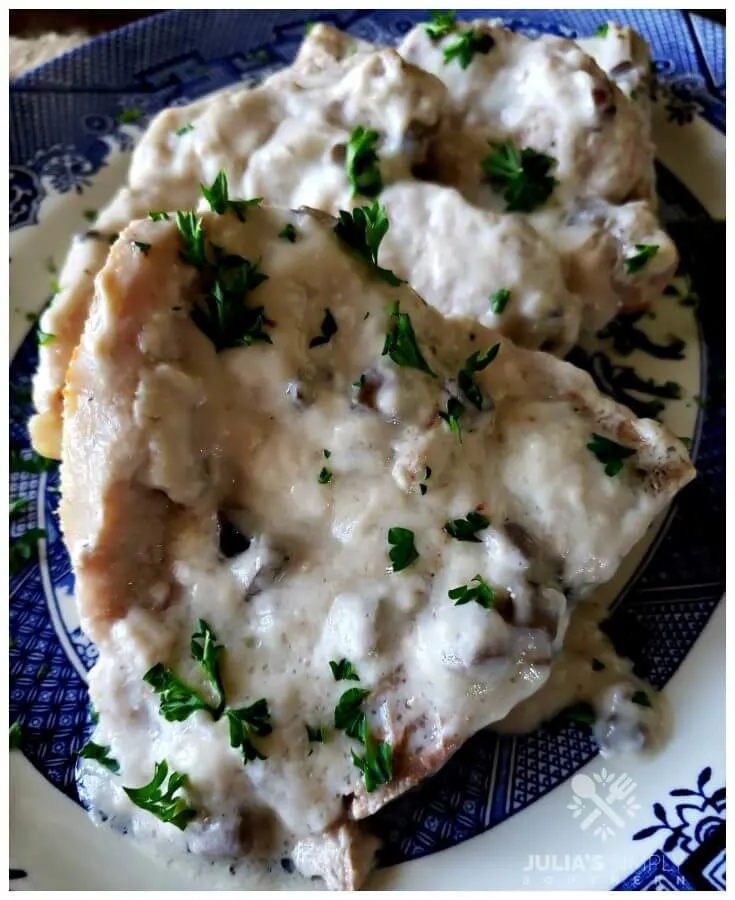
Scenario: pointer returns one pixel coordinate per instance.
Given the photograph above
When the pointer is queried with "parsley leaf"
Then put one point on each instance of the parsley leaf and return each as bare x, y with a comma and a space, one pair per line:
45, 338
246, 723
466, 45
453, 413
142, 246
325, 476
400, 342
362, 163
207, 652
601, 30
90, 215
217, 196
192, 237
343, 670
101, 754
33, 463
316, 734
610, 453
328, 329
644, 253
18, 506
403, 550
348, 714
466, 529
523, 177
24, 548
376, 765
476, 363
128, 116
641, 698
477, 589
185, 129
326, 453
363, 230
15, 735
499, 301
442, 24
178, 700
158, 215
288, 233
164, 805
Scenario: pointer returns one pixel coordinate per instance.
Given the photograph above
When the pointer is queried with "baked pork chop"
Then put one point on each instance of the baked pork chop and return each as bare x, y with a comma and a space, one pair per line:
321, 535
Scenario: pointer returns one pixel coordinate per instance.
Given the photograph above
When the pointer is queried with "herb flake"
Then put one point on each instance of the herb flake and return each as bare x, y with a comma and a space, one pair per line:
401, 345
643, 254
363, 229
376, 764
288, 233
164, 804
217, 196
207, 652
362, 162
477, 362
499, 301
441, 24
343, 670
466, 45
100, 754
466, 529
15, 735
325, 476
402, 551
328, 330
247, 723
452, 415
477, 591
348, 714
610, 453
522, 176
316, 734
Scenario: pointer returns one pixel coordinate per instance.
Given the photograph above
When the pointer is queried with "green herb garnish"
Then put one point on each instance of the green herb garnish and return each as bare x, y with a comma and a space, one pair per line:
326, 453
217, 196
453, 413
24, 548
178, 700
316, 734
100, 754
466, 529
601, 30
476, 363
376, 765
478, 590
401, 345
15, 735
247, 723
402, 548
207, 652
499, 301
610, 453
164, 805
129, 116
142, 246
325, 476
45, 338
644, 253
522, 176
348, 714
642, 699
90, 215
465, 46
442, 24
185, 129
343, 670
18, 506
362, 163
33, 464
328, 330
363, 230
192, 237
158, 215
288, 233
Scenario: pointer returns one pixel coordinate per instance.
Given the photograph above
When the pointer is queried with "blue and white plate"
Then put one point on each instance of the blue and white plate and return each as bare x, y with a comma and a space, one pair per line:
513, 795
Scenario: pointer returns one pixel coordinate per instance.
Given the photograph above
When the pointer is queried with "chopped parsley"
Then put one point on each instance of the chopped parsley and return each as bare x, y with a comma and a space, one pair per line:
363, 230
401, 345
362, 163
185, 129
24, 548
90, 215
129, 116
610, 453
45, 338
476, 363
54, 286
178, 700
601, 30
15, 735
641, 698
453, 413
100, 754
343, 670
478, 590
142, 246
328, 330
522, 176
247, 723
164, 804
348, 714
192, 237
499, 301
442, 24
325, 476
18, 506
376, 765
466, 529
217, 196
326, 453
316, 734
288, 233
402, 548
33, 464
644, 253
465, 46
597, 665
158, 215
207, 652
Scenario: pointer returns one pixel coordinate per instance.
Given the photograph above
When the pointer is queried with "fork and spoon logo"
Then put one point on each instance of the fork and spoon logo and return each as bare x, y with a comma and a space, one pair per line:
604, 799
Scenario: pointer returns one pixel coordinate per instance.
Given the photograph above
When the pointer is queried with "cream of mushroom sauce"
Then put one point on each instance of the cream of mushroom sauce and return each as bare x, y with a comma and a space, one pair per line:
245, 431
